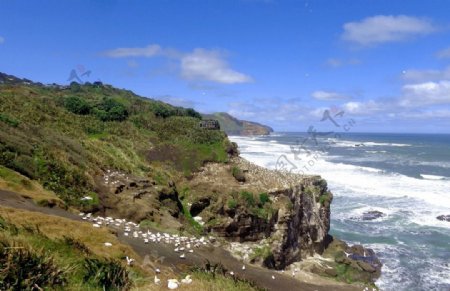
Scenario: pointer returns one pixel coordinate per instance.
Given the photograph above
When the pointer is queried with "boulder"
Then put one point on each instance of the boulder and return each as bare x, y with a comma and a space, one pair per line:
444, 217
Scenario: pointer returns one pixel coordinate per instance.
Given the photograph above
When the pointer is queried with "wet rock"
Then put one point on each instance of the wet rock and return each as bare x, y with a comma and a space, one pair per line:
371, 215
444, 217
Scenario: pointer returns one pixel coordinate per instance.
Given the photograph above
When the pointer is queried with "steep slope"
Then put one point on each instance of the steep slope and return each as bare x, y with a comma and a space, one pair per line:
234, 126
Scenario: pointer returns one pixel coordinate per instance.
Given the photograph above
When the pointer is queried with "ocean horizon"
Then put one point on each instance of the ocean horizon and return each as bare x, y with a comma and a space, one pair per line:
404, 177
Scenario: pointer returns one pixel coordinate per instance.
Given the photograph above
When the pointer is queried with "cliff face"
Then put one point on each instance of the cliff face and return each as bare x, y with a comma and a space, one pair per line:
303, 223
234, 126
293, 221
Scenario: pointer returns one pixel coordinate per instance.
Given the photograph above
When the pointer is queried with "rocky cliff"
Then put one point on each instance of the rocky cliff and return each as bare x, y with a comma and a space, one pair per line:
275, 219
234, 126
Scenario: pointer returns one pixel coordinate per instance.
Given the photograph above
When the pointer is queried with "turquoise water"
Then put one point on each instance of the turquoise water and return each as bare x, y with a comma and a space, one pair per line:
405, 176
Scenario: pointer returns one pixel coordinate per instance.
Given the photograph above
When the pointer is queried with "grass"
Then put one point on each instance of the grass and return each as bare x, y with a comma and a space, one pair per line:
60, 255
15, 182
261, 253
62, 145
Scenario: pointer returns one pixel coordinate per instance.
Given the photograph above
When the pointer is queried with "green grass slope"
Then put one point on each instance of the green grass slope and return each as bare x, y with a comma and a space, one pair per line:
63, 136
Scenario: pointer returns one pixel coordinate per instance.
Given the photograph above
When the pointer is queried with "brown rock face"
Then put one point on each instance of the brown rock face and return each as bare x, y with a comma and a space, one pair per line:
302, 227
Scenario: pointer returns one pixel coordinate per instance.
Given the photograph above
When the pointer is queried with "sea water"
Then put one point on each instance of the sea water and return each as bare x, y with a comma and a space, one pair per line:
404, 176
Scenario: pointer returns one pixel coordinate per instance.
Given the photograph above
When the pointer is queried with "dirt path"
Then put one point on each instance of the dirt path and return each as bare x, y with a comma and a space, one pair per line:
168, 258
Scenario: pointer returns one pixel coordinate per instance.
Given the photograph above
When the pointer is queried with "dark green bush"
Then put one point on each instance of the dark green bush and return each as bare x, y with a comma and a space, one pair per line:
77, 105
264, 198
249, 198
22, 268
109, 274
111, 110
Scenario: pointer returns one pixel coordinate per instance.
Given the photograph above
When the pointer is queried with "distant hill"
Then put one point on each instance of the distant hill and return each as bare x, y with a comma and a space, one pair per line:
234, 126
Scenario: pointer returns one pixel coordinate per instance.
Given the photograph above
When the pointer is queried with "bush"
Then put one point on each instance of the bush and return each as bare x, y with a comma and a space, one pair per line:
232, 204
111, 110
264, 198
248, 197
22, 268
109, 274
77, 105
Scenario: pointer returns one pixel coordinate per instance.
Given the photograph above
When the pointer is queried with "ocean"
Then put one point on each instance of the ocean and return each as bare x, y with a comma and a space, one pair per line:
404, 176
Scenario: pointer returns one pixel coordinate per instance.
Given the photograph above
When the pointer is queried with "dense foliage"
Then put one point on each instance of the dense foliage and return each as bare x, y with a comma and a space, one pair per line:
64, 136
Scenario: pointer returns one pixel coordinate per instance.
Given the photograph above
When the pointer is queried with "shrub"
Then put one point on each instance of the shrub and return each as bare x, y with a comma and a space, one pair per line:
108, 274
77, 105
263, 198
23, 268
248, 197
232, 204
8, 120
111, 110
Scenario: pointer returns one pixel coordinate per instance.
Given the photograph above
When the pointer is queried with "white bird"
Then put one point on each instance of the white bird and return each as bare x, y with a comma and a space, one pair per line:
232, 273
157, 271
172, 284
130, 261
347, 254
108, 244
182, 256
187, 280
191, 251
243, 267
157, 280
96, 225
273, 277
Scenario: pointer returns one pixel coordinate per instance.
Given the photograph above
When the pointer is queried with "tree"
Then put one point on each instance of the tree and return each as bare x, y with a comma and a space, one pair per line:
77, 105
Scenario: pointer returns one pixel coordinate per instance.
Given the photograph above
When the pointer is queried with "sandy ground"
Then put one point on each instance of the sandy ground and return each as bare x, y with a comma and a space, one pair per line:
162, 256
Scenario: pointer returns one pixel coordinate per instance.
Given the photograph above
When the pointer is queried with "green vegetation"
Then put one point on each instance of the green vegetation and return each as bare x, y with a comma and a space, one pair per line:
264, 198
232, 204
263, 253
197, 227
27, 263
262, 208
63, 137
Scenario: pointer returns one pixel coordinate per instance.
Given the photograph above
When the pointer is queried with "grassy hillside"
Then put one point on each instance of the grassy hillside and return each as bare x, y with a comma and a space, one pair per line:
65, 136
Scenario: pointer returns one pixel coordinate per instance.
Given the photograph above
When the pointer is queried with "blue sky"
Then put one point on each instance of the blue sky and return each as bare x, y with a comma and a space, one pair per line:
282, 63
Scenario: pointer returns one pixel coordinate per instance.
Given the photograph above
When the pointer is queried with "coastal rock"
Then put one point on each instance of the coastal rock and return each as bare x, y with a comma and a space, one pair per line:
444, 217
371, 215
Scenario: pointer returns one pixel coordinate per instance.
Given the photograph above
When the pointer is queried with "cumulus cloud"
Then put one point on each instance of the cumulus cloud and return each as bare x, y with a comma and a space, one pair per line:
2, 40
210, 65
385, 28
427, 93
198, 65
445, 53
329, 95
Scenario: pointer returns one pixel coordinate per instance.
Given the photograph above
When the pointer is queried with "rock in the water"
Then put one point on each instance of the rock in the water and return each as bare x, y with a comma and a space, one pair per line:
371, 215
444, 217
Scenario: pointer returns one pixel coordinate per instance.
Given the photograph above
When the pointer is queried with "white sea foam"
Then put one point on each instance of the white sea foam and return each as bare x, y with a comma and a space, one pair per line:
428, 197
432, 177
348, 143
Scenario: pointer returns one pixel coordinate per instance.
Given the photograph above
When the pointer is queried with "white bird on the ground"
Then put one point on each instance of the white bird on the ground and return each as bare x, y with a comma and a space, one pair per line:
191, 251
130, 261
347, 254
157, 271
96, 225
172, 284
273, 277
243, 267
187, 280
157, 280
182, 256
108, 244
232, 273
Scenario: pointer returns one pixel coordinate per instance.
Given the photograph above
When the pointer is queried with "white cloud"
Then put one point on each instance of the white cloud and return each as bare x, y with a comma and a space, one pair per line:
445, 53
427, 114
428, 93
385, 28
2, 40
198, 65
176, 101
328, 95
150, 51
426, 75
210, 65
